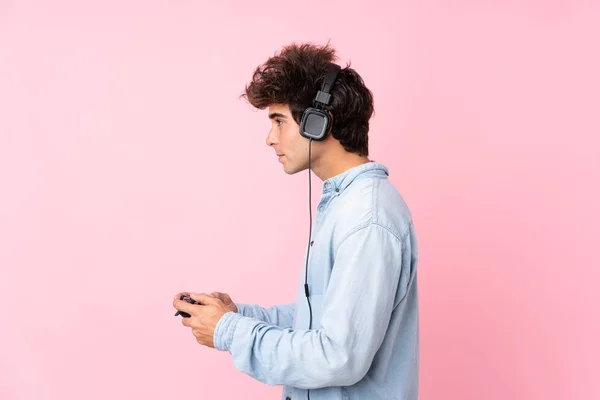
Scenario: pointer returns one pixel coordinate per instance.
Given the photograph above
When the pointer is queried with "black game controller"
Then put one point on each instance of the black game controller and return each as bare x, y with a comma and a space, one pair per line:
189, 300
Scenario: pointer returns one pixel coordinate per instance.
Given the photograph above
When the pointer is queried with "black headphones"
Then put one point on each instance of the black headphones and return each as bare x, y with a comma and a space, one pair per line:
316, 122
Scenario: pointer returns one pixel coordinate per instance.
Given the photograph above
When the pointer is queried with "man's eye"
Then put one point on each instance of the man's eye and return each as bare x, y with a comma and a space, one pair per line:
279, 122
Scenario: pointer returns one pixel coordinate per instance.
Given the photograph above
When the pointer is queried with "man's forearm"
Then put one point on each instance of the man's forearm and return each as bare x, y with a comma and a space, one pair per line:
281, 315
306, 359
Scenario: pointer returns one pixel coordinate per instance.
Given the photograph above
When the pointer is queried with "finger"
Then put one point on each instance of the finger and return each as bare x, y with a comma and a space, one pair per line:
204, 298
181, 305
219, 295
178, 295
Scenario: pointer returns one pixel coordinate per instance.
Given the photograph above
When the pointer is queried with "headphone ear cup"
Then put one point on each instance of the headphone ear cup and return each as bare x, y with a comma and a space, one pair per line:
315, 124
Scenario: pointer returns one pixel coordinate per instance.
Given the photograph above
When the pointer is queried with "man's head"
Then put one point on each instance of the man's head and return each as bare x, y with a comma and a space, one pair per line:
287, 83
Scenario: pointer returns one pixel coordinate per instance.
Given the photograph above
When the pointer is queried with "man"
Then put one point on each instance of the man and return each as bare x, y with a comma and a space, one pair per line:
356, 334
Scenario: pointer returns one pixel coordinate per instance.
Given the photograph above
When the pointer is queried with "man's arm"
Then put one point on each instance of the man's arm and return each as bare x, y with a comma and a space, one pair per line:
356, 314
281, 315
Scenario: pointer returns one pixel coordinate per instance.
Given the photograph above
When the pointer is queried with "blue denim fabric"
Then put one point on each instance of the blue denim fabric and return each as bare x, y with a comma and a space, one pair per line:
362, 276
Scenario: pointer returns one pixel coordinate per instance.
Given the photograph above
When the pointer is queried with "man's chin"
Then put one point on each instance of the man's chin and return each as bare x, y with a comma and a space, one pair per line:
293, 171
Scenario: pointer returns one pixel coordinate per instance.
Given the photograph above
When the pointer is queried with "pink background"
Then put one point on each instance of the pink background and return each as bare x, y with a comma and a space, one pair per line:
130, 171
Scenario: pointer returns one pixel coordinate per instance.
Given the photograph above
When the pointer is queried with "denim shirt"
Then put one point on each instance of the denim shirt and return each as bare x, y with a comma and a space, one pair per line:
362, 277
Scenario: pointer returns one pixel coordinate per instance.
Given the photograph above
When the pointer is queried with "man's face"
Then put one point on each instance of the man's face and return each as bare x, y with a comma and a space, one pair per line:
285, 139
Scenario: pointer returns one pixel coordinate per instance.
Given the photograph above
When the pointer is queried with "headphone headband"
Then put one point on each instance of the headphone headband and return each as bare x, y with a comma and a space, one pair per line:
324, 95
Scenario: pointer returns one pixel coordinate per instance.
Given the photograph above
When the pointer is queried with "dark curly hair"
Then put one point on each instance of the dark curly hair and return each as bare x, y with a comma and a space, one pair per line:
293, 77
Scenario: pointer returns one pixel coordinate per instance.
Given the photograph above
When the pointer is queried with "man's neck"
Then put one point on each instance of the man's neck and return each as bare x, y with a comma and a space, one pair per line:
330, 166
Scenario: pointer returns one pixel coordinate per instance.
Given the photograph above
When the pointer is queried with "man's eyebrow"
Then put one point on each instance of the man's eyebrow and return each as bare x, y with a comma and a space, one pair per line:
277, 115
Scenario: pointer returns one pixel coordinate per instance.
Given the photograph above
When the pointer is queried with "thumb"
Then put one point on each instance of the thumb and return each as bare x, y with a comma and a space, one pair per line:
203, 298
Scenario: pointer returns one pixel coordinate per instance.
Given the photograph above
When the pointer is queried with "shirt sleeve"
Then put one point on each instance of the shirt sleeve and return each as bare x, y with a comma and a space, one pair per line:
281, 315
356, 312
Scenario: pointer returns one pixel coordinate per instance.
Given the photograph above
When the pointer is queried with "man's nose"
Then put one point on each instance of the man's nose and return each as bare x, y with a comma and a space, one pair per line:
271, 138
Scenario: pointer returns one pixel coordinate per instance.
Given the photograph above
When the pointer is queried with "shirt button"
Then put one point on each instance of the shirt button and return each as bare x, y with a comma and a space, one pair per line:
312, 242
337, 189
287, 398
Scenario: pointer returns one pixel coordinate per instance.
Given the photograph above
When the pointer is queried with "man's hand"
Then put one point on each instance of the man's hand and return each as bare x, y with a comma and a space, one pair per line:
203, 317
224, 297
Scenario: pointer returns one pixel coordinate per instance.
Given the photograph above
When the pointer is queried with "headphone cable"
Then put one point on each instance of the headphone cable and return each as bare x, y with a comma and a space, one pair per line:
309, 240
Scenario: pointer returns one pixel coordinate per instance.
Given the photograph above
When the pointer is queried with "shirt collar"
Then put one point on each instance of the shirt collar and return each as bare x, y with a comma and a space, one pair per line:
340, 182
